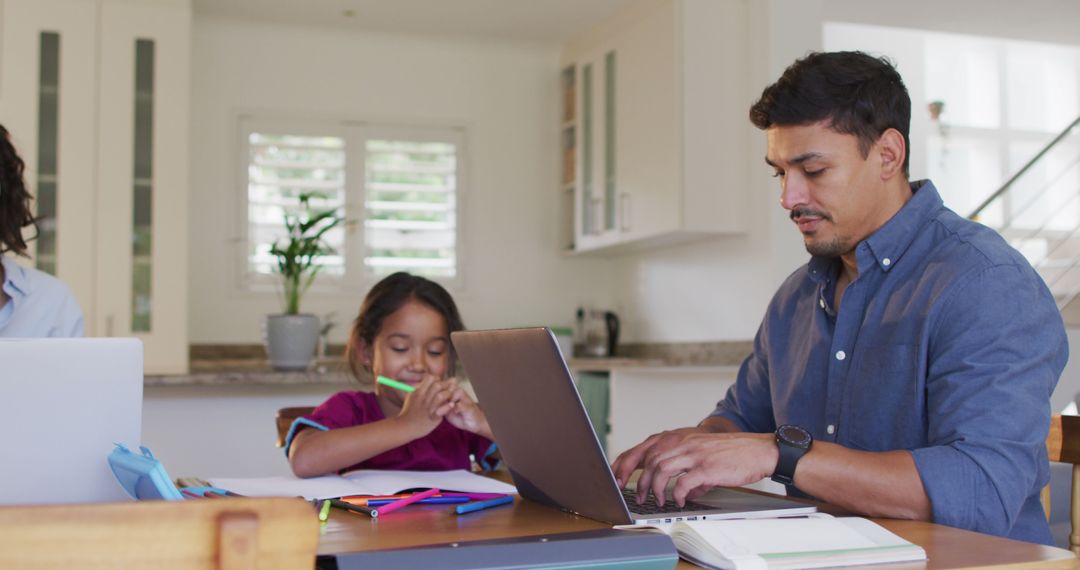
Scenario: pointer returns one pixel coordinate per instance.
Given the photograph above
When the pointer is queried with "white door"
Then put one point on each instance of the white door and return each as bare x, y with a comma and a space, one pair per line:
143, 178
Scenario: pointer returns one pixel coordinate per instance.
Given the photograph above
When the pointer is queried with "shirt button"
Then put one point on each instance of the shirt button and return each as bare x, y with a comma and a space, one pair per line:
821, 302
886, 262
830, 429
840, 355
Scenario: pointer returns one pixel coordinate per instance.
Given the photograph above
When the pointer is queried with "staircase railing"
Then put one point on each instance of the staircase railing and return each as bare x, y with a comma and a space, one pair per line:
1056, 255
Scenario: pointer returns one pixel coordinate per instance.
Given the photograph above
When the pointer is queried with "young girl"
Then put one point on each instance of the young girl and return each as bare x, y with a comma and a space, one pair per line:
402, 332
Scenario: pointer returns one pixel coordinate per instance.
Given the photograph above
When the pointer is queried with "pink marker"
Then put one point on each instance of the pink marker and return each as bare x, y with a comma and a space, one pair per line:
406, 501
476, 496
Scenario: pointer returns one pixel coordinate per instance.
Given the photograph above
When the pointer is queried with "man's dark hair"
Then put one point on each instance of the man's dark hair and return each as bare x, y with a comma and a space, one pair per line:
857, 93
15, 211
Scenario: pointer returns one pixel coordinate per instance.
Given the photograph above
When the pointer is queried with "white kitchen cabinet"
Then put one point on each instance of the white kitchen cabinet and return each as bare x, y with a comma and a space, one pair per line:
661, 154
651, 399
648, 400
95, 94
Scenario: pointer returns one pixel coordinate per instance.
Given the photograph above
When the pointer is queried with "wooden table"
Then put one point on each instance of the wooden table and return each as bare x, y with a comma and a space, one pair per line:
419, 525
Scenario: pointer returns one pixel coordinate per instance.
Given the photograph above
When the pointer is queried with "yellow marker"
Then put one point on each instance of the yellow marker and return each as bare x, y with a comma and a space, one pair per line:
324, 512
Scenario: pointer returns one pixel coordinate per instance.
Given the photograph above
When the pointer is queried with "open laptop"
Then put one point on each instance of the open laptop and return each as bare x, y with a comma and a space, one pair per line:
548, 443
66, 402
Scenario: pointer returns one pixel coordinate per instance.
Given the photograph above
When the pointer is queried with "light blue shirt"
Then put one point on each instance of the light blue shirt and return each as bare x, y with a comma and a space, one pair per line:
39, 305
947, 345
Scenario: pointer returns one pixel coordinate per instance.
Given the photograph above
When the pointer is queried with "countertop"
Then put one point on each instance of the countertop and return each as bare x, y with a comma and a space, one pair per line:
253, 372
257, 372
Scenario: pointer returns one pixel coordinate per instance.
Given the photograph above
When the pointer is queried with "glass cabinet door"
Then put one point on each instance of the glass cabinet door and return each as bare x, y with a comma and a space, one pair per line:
598, 195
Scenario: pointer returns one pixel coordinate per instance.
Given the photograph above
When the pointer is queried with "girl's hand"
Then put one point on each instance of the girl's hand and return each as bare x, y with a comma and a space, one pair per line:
466, 414
426, 406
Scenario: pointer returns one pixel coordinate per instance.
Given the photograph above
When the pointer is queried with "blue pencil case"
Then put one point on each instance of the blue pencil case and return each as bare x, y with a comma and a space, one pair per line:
142, 476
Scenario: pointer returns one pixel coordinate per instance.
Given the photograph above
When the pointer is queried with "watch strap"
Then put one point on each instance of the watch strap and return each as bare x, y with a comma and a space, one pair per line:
785, 466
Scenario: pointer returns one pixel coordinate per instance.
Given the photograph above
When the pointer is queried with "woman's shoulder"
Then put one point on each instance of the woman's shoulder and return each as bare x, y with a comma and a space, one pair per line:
34, 282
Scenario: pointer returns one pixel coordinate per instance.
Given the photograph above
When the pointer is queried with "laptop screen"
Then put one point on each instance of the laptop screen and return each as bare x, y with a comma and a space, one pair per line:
539, 422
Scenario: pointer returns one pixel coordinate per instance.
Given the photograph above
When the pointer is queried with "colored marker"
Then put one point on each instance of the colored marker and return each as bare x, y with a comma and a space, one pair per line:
480, 505
440, 500
363, 500
395, 384
406, 501
324, 512
474, 496
355, 508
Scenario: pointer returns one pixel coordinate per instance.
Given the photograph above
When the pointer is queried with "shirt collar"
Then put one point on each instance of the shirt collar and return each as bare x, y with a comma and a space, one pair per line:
15, 281
889, 242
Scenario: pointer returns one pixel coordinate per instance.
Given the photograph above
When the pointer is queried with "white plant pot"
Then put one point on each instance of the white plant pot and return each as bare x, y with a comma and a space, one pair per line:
291, 340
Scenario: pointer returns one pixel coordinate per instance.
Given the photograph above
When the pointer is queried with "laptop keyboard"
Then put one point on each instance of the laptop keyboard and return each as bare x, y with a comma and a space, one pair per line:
649, 507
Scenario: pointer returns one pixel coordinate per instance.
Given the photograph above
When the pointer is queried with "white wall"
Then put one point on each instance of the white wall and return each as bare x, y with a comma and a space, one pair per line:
503, 94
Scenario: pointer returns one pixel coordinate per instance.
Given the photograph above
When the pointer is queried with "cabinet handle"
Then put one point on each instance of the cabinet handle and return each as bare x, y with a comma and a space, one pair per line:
624, 212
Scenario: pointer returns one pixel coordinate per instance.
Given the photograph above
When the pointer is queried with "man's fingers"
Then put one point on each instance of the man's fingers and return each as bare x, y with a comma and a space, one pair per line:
690, 486
664, 471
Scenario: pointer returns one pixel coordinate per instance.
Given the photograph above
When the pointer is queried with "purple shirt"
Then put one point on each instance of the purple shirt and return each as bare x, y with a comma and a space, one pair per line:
445, 448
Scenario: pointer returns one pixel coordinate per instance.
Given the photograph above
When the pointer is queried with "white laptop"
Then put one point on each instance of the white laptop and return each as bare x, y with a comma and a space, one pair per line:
66, 402
548, 442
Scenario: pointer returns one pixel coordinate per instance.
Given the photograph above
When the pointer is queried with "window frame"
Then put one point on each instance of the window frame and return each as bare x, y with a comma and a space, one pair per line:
357, 277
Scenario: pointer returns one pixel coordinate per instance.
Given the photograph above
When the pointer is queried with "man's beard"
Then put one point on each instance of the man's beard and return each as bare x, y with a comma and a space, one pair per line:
833, 248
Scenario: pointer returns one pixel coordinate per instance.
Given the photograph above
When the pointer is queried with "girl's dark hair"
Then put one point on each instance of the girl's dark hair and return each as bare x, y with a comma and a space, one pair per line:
388, 296
857, 93
15, 212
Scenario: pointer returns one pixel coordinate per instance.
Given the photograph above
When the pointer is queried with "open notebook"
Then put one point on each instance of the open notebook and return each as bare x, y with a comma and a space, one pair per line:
361, 482
788, 543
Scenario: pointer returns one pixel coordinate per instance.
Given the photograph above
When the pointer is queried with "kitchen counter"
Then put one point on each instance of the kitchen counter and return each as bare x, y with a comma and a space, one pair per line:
257, 372
253, 372
607, 364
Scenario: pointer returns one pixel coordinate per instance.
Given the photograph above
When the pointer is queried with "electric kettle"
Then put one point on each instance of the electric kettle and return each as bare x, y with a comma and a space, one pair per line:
600, 330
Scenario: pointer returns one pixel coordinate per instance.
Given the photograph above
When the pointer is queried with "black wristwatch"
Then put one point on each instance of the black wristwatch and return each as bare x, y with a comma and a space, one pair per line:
793, 442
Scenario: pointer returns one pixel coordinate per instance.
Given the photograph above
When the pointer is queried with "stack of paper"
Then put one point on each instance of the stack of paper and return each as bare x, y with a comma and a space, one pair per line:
362, 482
789, 543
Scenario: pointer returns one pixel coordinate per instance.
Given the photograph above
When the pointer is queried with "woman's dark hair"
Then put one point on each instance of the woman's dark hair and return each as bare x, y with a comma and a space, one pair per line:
15, 212
857, 93
388, 296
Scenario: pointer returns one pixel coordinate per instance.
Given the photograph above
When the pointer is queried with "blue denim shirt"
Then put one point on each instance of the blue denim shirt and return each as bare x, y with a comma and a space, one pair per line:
947, 344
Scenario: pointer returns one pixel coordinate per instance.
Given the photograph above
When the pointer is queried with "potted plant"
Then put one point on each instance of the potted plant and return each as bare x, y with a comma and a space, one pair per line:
291, 337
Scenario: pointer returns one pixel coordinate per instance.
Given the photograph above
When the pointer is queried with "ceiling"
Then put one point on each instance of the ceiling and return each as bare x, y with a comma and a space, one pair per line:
537, 21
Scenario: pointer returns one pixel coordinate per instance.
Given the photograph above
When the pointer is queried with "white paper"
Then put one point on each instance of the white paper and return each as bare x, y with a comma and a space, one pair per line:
363, 482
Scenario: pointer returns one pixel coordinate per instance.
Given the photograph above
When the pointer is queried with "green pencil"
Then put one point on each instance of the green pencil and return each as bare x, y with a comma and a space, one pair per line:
394, 384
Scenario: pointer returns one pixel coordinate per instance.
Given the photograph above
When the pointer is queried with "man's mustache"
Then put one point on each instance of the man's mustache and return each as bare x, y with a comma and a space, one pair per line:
800, 212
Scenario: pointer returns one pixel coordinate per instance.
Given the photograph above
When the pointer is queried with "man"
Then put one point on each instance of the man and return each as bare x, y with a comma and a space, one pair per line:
906, 370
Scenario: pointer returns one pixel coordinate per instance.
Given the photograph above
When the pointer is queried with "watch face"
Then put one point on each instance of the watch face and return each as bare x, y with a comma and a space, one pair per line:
794, 435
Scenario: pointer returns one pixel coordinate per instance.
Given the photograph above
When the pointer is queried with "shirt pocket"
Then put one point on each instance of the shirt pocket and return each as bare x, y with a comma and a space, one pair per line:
885, 400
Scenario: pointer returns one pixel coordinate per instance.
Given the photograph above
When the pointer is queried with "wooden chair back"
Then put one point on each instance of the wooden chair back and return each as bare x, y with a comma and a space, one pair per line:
1063, 445
226, 533
284, 420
